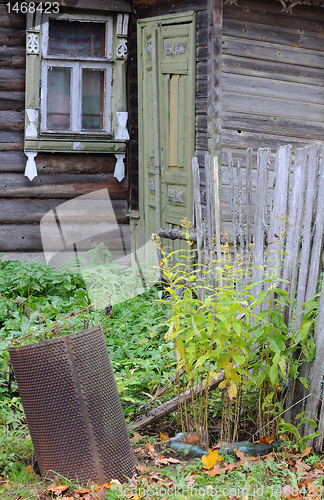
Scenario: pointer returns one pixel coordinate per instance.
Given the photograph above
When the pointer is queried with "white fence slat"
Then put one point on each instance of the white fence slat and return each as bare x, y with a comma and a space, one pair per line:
296, 207
280, 201
318, 234
263, 163
307, 231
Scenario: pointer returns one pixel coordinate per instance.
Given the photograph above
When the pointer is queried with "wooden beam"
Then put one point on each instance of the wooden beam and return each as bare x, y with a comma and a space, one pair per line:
173, 404
214, 76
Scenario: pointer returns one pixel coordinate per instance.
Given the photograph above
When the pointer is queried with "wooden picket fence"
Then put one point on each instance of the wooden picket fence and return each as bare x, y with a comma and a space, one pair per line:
293, 223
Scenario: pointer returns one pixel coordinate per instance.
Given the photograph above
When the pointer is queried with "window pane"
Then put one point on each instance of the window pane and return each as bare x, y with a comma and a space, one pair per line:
92, 99
58, 99
75, 38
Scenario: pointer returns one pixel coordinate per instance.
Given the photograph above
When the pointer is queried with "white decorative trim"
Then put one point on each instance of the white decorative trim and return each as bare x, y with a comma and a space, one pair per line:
119, 172
31, 169
32, 43
122, 132
121, 51
31, 130
122, 24
77, 146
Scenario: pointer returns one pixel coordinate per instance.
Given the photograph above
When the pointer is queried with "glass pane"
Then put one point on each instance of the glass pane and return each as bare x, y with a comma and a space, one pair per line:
75, 38
92, 99
58, 99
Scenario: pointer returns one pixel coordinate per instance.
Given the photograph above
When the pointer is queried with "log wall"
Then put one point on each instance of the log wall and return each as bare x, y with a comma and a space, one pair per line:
60, 176
272, 77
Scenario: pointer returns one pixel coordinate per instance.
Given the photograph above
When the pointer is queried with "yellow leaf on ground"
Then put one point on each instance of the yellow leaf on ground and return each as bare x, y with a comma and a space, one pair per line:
163, 436
210, 460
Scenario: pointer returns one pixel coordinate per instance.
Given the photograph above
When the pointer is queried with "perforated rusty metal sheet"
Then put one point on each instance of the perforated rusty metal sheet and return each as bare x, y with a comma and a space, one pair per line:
72, 407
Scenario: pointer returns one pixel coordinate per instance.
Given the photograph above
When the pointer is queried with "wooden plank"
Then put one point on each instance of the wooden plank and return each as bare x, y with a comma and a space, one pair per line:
22, 211
27, 237
12, 79
271, 14
214, 77
218, 214
101, 5
270, 125
174, 112
14, 137
267, 106
267, 69
255, 140
248, 184
233, 187
12, 38
60, 186
307, 230
296, 208
266, 87
14, 21
272, 52
13, 101
12, 162
314, 407
263, 161
156, 143
75, 163
295, 37
198, 217
315, 258
279, 212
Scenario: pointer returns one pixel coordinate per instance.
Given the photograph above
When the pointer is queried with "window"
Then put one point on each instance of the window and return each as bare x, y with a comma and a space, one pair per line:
75, 83
77, 76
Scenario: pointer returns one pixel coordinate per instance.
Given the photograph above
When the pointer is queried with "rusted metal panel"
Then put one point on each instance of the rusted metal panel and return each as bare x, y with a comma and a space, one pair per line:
72, 407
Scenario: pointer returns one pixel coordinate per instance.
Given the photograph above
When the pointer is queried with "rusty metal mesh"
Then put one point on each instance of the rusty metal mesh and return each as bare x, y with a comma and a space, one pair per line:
72, 407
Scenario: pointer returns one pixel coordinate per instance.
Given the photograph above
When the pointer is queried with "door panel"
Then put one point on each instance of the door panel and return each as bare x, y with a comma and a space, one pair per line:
166, 69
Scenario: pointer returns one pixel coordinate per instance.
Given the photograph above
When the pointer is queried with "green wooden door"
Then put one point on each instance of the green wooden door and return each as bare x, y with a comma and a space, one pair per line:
166, 52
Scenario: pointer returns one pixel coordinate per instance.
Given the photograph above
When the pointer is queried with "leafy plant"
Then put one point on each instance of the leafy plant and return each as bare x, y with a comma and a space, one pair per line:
218, 326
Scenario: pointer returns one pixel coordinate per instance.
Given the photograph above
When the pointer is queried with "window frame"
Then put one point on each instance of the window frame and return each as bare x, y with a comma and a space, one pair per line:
77, 64
76, 96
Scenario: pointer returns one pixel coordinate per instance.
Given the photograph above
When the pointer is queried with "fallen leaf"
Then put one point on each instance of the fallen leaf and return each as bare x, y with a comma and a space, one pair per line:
84, 491
239, 454
142, 468
58, 489
67, 498
219, 470
265, 439
163, 437
192, 439
306, 451
174, 461
301, 466
136, 436
210, 460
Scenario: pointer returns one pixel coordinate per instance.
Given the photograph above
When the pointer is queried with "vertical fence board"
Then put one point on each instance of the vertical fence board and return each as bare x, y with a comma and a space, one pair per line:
263, 163
296, 207
307, 231
277, 225
318, 234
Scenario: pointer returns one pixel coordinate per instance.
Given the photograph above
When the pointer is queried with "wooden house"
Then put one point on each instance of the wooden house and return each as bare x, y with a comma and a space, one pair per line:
192, 77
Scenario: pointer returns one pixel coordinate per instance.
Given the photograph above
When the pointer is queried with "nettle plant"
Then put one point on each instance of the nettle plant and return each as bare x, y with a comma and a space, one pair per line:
219, 327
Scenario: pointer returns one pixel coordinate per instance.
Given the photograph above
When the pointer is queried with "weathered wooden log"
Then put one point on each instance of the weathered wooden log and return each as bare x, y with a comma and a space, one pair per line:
172, 405
176, 234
